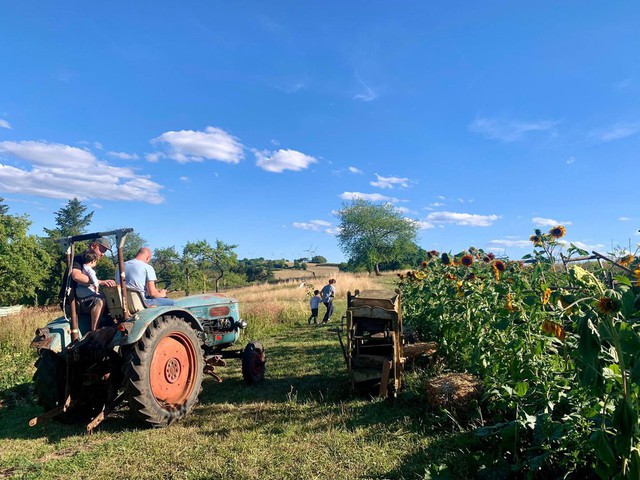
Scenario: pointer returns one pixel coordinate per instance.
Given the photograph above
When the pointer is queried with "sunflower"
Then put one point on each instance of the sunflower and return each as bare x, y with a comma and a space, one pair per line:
496, 273
466, 260
535, 239
424, 263
607, 305
637, 275
432, 253
554, 329
545, 296
626, 261
510, 306
486, 259
499, 265
558, 232
446, 259
449, 276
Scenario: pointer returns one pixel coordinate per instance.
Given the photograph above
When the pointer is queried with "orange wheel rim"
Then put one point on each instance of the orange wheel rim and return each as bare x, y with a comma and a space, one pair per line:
173, 371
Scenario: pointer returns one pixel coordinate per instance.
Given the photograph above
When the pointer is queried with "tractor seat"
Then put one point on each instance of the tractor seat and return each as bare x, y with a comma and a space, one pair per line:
113, 298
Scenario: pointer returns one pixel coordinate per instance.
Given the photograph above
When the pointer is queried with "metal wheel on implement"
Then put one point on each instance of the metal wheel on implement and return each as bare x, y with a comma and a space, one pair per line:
253, 363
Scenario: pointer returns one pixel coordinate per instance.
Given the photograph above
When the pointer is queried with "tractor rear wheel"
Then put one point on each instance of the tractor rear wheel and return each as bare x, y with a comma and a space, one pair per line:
49, 379
163, 372
253, 363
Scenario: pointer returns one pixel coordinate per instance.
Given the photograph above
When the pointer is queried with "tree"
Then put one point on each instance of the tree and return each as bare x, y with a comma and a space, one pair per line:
202, 259
318, 259
166, 262
372, 234
24, 264
70, 219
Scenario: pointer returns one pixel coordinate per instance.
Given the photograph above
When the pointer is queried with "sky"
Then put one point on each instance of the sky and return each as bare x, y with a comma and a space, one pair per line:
254, 122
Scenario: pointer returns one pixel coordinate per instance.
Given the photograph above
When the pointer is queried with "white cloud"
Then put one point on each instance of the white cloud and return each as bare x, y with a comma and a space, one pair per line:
581, 245
5, 124
390, 182
617, 131
506, 243
548, 222
508, 130
184, 179
62, 171
422, 225
153, 157
368, 94
571, 160
314, 225
371, 197
355, 170
123, 155
463, 219
282, 160
196, 146
404, 209
624, 219
333, 231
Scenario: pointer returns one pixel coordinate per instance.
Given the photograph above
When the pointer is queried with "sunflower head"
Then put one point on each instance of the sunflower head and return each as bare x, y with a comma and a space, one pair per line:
486, 259
626, 260
607, 305
558, 231
536, 240
466, 260
424, 263
499, 265
432, 253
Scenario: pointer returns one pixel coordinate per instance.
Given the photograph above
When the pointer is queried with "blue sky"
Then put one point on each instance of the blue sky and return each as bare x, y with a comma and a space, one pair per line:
252, 122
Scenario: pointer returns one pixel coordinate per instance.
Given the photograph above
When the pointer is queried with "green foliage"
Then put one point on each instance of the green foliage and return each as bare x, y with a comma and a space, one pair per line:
70, 220
133, 242
318, 259
258, 269
372, 234
558, 351
202, 262
23, 262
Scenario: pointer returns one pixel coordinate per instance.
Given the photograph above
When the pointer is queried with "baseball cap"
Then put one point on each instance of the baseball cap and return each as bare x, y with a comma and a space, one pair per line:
102, 241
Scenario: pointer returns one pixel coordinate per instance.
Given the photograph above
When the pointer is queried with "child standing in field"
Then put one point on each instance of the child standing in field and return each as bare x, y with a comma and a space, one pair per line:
314, 303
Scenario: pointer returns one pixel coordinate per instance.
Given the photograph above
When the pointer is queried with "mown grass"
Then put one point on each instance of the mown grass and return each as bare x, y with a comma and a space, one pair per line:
300, 423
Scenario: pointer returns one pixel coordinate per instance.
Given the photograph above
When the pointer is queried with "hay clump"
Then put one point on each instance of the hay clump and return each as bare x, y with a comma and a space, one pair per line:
453, 391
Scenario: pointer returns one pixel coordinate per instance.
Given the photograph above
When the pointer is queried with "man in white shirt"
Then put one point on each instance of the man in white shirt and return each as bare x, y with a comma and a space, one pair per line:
142, 277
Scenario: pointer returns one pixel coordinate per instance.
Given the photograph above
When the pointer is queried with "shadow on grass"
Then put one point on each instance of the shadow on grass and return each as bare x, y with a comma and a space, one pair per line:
306, 386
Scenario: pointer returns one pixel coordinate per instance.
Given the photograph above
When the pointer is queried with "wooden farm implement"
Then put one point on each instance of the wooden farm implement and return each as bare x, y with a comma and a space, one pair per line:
374, 344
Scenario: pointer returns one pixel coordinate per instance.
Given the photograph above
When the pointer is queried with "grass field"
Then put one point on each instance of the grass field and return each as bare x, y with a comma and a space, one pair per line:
301, 422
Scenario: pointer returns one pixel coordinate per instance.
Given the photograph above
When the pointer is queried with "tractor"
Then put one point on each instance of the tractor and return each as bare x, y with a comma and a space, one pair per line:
153, 358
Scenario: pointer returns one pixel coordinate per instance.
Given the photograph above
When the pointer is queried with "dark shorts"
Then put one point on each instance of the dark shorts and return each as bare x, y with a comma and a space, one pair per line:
86, 304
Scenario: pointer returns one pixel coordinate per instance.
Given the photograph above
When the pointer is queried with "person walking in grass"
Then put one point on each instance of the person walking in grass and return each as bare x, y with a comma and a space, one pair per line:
328, 292
314, 303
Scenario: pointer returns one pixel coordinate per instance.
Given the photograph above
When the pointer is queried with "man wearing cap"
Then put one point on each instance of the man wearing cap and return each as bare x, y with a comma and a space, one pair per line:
95, 304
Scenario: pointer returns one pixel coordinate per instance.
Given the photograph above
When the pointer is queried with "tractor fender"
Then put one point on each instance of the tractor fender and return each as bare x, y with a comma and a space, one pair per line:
132, 329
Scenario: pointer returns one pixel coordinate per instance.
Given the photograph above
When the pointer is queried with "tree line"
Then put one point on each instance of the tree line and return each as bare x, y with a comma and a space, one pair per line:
373, 237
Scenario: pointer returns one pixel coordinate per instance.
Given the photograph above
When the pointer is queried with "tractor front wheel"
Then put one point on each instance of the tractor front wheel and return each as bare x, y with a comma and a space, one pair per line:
253, 363
163, 374
49, 379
